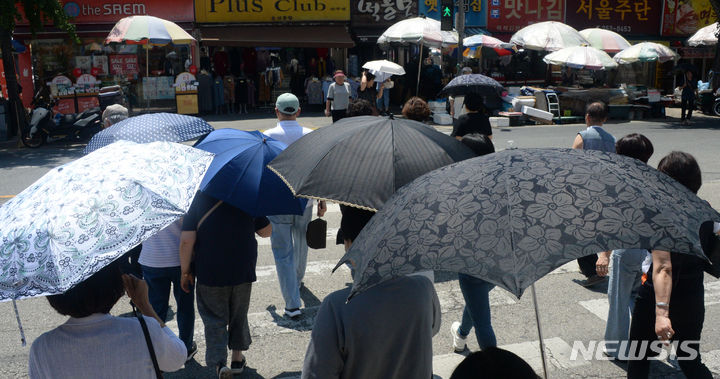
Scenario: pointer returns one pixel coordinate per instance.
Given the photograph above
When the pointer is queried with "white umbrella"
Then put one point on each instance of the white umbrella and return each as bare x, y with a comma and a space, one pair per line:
646, 52
385, 66
605, 40
548, 36
581, 57
704, 36
418, 30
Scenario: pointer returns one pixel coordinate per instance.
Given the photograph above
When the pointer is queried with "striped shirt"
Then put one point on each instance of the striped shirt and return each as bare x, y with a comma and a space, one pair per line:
162, 249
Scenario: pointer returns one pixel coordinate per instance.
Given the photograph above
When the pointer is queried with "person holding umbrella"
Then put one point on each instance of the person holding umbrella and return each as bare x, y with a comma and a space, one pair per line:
456, 102
219, 239
92, 343
474, 120
368, 92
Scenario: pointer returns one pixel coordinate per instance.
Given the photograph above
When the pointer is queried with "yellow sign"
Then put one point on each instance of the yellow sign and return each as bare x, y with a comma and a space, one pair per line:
222, 11
187, 103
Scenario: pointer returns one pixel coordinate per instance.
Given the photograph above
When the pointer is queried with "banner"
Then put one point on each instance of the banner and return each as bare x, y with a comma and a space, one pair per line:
620, 16
682, 18
510, 16
475, 12
381, 13
109, 12
220, 11
124, 64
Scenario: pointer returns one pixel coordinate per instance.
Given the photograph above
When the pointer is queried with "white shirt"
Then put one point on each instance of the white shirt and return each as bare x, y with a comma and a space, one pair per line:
104, 346
163, 249
287, 132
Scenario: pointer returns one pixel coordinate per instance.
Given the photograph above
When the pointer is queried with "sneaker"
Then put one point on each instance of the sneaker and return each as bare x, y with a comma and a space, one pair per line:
191, 352
459, 342
237, 367
593, 280
224, 372
292, 313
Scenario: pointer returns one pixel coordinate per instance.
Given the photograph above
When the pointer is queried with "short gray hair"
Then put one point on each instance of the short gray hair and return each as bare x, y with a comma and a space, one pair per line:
466, 70
114, 114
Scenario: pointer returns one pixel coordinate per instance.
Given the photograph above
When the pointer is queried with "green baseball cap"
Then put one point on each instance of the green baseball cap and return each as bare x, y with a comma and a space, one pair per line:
287, 103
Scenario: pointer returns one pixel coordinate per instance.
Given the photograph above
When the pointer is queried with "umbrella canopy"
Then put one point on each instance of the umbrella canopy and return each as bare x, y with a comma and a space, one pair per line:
605, 40
239, 176
145, 30
472, 83
704, 36
151, 127
80, 217
646, 52
581, 57
484, 41
418, 30
362, 161
385, 66
548, 36
514, 216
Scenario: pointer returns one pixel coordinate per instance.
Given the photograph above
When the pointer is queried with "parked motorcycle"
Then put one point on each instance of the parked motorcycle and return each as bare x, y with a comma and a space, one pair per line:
43, 127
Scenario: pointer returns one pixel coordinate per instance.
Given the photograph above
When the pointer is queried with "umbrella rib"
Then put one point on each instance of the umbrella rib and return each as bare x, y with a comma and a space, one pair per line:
512, 232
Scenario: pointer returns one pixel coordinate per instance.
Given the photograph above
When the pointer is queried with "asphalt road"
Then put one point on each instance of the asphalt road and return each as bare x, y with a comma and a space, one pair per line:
569, 312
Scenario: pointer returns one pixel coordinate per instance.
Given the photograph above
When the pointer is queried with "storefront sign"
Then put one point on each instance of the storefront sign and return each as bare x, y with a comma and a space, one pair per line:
381, 13
621, 16
100, 62
65, 106
124, 64
696, 52
684, 17
210, 11
87, 102
110, 11
24, 75
158, 88
186, 97
475, 12
512, 15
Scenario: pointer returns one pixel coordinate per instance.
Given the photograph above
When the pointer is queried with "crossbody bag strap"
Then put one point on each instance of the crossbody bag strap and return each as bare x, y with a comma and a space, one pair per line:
148, 341
208, 213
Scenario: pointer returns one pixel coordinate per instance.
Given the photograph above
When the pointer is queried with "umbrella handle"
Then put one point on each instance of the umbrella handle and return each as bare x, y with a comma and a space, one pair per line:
17, 317
540, 336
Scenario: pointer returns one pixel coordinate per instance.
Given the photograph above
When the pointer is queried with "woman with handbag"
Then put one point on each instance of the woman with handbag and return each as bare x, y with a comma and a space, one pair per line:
94, 344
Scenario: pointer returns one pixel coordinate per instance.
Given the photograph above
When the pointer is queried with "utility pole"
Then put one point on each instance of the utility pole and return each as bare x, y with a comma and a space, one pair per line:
460, 27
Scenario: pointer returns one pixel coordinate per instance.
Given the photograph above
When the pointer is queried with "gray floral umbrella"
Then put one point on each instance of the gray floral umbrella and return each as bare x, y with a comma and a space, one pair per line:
512, 217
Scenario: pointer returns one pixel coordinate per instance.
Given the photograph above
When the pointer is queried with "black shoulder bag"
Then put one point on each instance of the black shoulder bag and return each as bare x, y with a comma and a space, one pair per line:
146, 332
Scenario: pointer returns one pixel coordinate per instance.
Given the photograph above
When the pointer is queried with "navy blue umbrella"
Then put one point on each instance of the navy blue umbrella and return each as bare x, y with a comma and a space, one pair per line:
472, 83
151, 127
239, 175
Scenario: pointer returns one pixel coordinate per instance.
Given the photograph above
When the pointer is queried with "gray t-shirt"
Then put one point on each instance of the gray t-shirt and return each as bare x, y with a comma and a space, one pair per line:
339, 96
383, 332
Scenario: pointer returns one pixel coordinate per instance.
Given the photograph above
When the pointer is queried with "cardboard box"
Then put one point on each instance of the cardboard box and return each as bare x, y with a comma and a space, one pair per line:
442, 119
499, 122
538, 115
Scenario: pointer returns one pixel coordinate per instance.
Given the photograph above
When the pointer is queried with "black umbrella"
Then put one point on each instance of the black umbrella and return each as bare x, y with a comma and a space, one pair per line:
362, 161
473, 83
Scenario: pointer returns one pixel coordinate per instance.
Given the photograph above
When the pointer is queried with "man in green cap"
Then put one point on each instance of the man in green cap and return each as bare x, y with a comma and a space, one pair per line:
289, 244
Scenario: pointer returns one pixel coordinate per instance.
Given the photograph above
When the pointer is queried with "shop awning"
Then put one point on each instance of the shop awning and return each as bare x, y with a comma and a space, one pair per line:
276, 36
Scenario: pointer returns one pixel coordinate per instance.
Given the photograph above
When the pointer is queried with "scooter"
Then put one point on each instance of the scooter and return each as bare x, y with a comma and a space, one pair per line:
43, 127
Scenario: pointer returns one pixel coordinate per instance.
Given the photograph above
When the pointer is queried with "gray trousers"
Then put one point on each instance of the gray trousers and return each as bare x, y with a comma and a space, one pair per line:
224, 313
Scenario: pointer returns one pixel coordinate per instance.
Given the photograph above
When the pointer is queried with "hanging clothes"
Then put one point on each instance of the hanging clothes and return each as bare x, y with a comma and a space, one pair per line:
251, 92
263, 60
264, 91
314, 91
242, 90
221, 60
218, 92
249, 57
229, 89
205, 92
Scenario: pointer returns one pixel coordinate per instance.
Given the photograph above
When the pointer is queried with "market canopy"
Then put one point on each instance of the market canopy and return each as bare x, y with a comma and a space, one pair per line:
548, 36
277, 36
418, 30
605, 40
581, 57
705, 36
646, 52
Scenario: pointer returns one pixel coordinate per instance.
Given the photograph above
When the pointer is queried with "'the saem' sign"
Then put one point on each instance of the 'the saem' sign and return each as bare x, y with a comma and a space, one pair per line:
110, 11
209, 11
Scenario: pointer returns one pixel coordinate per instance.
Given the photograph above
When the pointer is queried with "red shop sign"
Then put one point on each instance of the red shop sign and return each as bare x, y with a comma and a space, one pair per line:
124, 64
512, 15
621, 16
109, 12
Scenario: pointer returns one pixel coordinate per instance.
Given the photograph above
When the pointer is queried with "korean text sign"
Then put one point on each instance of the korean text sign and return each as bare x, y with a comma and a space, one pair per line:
512, 15
621, 16
271, 10
475, 11
684, 17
